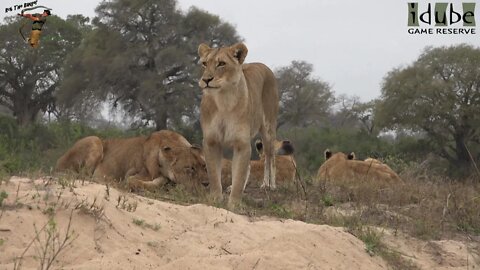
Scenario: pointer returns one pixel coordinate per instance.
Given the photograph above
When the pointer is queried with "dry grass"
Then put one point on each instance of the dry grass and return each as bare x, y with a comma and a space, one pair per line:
144, 224
427, 208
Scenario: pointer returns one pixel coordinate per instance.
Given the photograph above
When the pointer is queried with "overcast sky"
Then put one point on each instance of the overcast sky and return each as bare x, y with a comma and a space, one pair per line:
352, 44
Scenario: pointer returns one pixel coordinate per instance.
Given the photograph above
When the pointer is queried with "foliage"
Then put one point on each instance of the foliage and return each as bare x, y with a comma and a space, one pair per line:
142, 57
3, 196
29, 77
142, 223
304, 100
439, 94
352, 113
38, 146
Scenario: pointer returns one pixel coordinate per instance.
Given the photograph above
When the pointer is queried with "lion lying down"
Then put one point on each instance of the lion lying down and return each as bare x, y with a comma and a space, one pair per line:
285, 165
83, 156
143, 162
340, 166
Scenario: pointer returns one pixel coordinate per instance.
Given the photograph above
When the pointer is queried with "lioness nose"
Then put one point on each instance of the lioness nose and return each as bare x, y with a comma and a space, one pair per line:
207, 80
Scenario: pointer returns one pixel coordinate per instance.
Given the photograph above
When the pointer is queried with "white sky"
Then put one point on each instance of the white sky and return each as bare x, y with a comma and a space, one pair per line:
352, 44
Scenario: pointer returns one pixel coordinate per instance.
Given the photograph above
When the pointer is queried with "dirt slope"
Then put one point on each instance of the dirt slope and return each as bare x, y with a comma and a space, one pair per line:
140, 233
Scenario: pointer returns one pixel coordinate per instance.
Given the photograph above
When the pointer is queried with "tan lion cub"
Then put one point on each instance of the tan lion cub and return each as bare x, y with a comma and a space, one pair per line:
239, 100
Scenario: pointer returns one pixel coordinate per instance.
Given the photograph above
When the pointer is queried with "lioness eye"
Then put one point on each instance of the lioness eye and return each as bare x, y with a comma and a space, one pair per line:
221, 64
204, 64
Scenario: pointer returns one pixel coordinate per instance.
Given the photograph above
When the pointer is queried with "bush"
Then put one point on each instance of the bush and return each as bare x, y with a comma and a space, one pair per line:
37, 147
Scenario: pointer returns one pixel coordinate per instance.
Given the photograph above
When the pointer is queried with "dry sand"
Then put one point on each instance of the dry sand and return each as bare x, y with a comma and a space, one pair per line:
141, 233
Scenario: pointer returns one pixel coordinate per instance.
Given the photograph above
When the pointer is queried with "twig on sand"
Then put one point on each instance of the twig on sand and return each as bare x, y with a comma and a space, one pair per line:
17, 262
255, 266
224, 249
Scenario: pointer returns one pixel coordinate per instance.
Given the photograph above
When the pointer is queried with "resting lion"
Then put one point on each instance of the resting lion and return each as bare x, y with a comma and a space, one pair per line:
239, 100
145, 162
377, 162
84, 156
340, 166
284, 162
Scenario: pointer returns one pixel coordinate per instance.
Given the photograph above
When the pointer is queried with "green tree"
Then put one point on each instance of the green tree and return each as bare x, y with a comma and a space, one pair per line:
304, 100
142, 57
29, 77
352, 113
439, 94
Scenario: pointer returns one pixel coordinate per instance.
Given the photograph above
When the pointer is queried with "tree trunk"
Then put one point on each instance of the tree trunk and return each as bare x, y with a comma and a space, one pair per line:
24, 108
25, 116
462, 156
161, 120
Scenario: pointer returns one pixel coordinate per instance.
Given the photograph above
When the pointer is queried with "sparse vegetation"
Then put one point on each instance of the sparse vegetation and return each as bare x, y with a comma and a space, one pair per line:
152, 244
327, 200
281, 211
92, 209
138, 222
3, 196
48, 244
427, 207
142, 223
124, 203
371, 237
374, 245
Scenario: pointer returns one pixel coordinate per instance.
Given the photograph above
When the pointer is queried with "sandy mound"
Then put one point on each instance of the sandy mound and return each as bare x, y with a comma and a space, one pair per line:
139, 233
440, 255
111, 229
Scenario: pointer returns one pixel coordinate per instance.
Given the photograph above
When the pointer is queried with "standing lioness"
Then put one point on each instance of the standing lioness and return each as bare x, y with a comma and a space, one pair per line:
238, 101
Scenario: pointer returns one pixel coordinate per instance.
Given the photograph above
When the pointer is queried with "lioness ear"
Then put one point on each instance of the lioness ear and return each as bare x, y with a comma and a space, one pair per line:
259, 146
203, 50
328, 154
196, 146
239, 51
351, 156
286, 149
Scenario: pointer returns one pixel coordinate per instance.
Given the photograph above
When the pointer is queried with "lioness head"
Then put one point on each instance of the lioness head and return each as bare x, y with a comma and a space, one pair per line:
186, 164
222, 66
338, 156
282, 148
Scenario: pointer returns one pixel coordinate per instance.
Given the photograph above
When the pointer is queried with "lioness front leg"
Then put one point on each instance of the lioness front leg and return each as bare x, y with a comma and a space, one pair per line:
240, 171
136, 182
213, 159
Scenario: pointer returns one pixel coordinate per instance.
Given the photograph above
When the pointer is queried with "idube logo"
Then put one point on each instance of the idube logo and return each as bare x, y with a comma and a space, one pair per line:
443, 19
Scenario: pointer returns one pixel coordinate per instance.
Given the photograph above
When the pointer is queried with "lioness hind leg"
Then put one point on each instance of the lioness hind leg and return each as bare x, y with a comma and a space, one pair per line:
269, 175
92, 161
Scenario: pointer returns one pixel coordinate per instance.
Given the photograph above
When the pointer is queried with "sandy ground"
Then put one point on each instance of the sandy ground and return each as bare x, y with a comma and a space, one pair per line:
439, 255
111, 229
